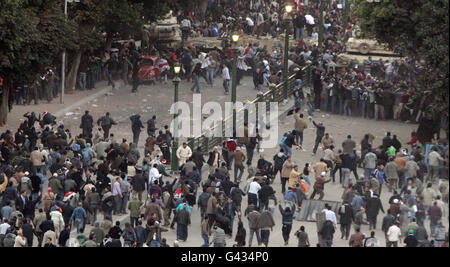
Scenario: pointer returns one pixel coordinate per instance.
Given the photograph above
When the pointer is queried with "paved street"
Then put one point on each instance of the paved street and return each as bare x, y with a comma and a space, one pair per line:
159, 103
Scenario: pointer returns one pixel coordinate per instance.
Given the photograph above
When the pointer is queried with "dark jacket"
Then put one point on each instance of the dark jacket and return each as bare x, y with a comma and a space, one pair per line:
346, 214
241, 234
87, 122
327, 230
183, 217
411, 241
63, 237
388, 221
211, 158
136, 123
265, 220
236, 195
140, 234
373, 206
115, 232
253, 218
287, 216
265, 192
197, 158
138, 182
278, 161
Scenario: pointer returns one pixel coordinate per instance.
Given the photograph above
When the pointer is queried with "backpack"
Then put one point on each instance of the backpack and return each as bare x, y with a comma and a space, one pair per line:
282, 140
129, 236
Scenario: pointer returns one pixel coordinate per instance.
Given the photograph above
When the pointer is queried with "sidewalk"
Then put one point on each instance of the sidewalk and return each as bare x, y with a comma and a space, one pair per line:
71, 102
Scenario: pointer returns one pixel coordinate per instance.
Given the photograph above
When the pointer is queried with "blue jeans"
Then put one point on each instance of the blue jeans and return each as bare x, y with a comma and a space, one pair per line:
109, 78
363, 109
299, 137
230, 163
196, 83
238, 168
265, 234
82, 80
348, 107
283, 147
124, 203
316, 144
250, 152
307, 181
35, 197
326, 243
250, 238
334, 102
367, 172
155, 244
299, 32
206, 240
433, 225
298, 102
79, 224
310, 108
324, 104
341, 106
210, 76
288, 151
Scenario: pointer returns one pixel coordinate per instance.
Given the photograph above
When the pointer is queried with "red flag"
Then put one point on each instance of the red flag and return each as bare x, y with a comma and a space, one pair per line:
299, 5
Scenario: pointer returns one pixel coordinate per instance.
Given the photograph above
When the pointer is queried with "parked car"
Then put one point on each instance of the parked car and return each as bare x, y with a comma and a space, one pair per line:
149, 69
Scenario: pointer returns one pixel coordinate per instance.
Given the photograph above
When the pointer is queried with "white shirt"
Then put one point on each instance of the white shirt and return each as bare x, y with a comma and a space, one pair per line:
153, 175
309, 19
260, 19
330, 216
254, 188
394, 233
250, 22
226, 74
3, 228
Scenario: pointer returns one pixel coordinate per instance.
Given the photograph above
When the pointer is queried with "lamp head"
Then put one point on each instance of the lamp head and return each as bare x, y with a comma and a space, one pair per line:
235, 38
288, 8
177, 68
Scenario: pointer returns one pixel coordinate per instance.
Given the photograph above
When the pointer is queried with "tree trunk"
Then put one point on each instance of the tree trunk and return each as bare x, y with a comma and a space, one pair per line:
35, 94
203, 6
108, 43
73, 73
4, 102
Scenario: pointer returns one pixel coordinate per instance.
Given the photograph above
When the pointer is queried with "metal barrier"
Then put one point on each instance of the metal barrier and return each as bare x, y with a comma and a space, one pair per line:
274, 94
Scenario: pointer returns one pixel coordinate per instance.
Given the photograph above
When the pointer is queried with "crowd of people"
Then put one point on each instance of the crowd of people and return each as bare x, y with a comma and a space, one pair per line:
54, 181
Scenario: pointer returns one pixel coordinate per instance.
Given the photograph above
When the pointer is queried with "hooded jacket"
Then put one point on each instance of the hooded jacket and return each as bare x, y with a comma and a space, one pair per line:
133, 154
253, 218
265, 220
136, 123
287, 216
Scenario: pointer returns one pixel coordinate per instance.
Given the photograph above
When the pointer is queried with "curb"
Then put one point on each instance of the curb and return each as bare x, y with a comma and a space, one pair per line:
83, 101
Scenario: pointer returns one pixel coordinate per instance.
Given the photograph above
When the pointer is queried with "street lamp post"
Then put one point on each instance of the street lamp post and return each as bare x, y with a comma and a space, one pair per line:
287, 20
176, 81
63, 64
235, 39
322, 8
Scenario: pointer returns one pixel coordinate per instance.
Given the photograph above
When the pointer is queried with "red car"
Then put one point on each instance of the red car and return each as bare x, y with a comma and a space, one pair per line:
149, 69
